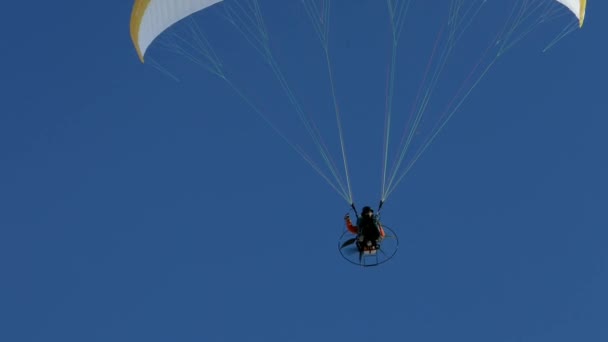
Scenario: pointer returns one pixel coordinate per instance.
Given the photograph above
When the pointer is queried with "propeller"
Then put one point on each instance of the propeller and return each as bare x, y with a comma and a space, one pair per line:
348, 242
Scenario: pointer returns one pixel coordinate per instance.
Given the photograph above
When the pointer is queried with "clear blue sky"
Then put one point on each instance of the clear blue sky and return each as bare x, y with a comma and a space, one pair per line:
137, 208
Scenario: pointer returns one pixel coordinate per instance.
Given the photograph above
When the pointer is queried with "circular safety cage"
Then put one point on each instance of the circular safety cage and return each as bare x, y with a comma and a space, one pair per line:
363, 255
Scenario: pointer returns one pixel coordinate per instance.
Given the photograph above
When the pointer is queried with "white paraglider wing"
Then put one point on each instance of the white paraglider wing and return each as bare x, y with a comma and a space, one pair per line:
577, 7
150, 18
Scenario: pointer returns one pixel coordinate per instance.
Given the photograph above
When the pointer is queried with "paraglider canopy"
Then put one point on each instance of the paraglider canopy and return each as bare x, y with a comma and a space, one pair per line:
577, 7
150, 18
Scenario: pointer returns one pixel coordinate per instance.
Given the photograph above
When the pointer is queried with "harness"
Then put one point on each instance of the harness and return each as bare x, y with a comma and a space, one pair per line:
369, 230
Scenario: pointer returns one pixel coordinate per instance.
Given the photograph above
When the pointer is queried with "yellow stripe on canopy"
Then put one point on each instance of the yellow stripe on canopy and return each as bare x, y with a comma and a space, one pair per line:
139, 8
582, 12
